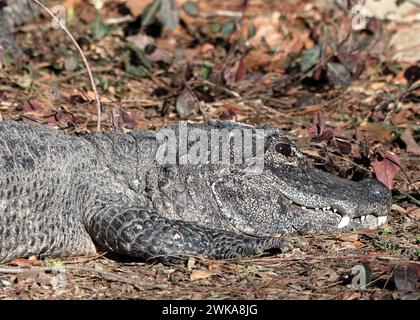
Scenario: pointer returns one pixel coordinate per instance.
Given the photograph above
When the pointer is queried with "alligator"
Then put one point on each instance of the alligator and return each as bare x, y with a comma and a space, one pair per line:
64, 194
77, 194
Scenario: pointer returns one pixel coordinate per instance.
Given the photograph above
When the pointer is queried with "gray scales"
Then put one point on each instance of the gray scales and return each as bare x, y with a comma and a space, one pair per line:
73, 194
63, 195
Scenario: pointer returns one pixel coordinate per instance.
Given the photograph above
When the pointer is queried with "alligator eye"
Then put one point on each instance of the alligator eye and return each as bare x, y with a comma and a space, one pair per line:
284, 148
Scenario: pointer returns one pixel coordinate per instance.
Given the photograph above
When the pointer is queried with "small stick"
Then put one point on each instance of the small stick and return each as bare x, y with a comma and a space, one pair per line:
92, 82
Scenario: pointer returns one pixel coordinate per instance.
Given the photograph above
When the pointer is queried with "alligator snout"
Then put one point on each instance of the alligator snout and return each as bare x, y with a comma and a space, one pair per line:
361, 200
336, 202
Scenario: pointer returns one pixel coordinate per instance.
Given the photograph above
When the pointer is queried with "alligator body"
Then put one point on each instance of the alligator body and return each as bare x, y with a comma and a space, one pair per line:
65, 194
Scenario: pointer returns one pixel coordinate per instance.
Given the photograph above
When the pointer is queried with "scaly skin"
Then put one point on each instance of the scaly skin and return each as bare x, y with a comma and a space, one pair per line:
65, 194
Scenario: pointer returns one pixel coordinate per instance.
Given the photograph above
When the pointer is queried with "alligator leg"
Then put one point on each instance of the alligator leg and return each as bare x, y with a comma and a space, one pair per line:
138, 232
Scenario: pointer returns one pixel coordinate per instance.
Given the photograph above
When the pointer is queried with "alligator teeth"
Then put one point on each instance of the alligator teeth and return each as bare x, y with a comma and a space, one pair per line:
344, 222
303, 207
381, 220
316, 208
328, 208
363, 218
334, 210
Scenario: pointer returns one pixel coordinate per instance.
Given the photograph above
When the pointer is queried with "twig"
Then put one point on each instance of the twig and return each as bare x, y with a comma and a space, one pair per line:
126, 18
109, 275
222, 13
413, 87
92, 82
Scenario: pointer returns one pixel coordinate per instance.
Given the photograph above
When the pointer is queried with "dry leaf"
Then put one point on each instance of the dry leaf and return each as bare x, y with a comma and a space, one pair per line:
399, 209
21, 262
412, 145
352, 296
32, 105
401, 117
349, 237
71, 3
136, 7
415, 213
387, 168
201, 274
268, 30
377, 131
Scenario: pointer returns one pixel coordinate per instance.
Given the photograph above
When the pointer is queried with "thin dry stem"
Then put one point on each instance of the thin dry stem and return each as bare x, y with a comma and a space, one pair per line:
92, 82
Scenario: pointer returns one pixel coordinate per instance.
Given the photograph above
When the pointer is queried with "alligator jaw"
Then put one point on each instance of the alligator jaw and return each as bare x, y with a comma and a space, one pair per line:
344, 221
336, 204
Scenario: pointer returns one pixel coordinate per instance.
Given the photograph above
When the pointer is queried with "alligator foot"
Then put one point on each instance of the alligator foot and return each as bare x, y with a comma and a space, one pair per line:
141, 233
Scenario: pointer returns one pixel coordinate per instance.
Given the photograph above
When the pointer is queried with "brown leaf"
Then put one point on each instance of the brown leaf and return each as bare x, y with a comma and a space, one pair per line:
229, 112
240, 71
401, 117
349, 237
201, 274
352, 296
256, 58
377, 132
31, 261
185, 104
415, 213
326, 135
268, 31
136, 7
71, 3
342, 145
386, 168
307, 100
128, 120
412, 145
32, 105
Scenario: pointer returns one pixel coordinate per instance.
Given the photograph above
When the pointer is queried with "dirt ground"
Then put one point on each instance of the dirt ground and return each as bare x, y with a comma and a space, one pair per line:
342, 95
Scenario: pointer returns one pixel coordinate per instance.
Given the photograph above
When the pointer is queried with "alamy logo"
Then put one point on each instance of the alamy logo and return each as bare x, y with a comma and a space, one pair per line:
218, 146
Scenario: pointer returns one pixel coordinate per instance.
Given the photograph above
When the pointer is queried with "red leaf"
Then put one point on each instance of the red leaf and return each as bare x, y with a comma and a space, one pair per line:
386, 168
241, 71
324, 136
127, 119
52, 119
32, 105
313, 130
229, 114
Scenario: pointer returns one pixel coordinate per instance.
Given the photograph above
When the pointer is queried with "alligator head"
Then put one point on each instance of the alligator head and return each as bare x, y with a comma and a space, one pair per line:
290, 196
